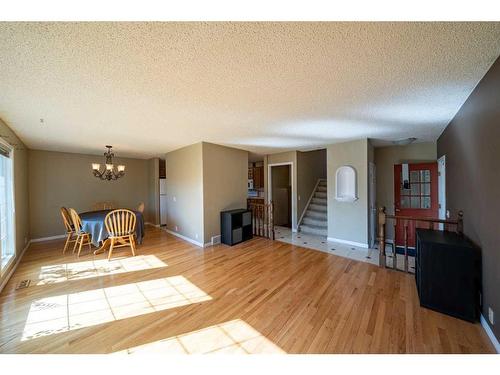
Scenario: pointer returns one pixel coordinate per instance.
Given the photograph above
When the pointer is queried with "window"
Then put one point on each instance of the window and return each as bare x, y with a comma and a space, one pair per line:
7, 243
419, 193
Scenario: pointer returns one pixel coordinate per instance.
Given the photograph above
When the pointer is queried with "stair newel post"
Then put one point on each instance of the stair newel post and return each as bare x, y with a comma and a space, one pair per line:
262, 222
381, 236
460, 222
406, 246
394, 247
252, 209
266, 210
272, 217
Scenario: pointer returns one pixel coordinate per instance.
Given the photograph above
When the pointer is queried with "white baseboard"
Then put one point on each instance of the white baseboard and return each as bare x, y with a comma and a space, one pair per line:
200, 244
490, 334
353, 243
48, 238
151, 224
7, 278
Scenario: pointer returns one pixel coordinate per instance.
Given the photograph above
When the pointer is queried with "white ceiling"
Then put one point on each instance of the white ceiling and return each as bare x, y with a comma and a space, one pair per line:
149, 88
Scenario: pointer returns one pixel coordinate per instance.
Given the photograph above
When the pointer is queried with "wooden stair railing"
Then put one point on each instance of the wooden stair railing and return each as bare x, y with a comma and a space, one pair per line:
383, 218
262, 219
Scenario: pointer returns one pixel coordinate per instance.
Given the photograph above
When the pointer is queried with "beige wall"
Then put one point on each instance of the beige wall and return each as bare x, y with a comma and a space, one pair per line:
386, 157
64, 179
225, 176
20, 190
283, 157
185, 192
204, 179
152, 209
311, 166
348, 221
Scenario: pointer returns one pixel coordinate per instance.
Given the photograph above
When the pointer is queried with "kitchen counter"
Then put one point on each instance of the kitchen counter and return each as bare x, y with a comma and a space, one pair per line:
255, 200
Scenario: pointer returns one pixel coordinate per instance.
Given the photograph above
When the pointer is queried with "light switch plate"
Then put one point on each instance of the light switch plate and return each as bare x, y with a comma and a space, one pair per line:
491, 316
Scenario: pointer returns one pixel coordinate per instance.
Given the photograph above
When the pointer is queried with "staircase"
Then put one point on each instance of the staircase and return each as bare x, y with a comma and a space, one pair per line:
315, 219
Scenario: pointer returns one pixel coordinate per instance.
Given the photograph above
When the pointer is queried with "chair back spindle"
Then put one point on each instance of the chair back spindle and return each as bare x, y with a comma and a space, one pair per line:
75, 218
120, 223
67, 221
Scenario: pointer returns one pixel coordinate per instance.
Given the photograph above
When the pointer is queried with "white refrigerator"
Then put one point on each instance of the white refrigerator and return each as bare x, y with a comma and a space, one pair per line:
163, 201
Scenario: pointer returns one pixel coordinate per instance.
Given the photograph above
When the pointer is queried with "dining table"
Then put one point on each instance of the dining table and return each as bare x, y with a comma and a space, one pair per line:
93, 223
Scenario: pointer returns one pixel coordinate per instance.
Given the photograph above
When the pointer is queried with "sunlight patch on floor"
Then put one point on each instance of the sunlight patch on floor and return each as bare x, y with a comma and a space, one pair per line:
51, 315
233, 337
58, 273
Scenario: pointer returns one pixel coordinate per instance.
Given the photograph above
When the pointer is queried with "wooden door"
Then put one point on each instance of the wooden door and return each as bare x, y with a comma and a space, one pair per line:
419, 200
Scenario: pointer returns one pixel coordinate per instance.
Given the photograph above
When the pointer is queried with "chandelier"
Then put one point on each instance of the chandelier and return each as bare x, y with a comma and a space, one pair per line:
109, 173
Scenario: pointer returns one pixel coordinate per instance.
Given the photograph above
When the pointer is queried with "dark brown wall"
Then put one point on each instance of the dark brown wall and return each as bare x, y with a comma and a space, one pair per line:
471, 143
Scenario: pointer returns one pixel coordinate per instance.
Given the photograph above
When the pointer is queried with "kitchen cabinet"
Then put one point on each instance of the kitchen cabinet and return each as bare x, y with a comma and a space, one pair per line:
258, 177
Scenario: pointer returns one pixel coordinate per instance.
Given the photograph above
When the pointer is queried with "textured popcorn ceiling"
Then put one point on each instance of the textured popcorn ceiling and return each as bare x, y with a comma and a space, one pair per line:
148, 88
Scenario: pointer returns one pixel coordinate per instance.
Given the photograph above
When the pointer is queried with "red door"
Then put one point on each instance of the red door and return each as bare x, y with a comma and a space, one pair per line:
419, 198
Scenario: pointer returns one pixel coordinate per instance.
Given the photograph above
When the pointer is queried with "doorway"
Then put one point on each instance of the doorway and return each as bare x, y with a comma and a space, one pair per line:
415, 195
280, 193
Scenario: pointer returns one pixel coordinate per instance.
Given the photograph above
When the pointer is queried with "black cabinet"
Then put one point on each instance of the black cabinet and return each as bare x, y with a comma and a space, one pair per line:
448, 273
236, 226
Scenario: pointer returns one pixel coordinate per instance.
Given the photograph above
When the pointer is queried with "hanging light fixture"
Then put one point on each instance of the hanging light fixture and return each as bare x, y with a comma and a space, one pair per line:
109, 173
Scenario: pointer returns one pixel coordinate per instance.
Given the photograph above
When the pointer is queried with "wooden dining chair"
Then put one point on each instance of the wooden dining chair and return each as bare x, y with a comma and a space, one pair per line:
109, 206
83, 238
99, 206
140, 207
68, 225
120, 225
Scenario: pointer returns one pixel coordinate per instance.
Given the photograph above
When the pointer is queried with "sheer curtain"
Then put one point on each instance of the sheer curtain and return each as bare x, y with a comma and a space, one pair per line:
7, 245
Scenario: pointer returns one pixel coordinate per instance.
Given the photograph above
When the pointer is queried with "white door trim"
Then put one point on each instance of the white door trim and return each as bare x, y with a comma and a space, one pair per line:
442, 188
270, 190
14, 221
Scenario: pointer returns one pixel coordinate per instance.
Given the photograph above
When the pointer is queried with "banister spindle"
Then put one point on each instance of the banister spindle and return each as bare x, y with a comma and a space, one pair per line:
460, 222
381, 236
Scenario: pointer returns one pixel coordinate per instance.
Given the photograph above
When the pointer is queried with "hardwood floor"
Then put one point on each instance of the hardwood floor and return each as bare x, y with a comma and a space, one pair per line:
260, 296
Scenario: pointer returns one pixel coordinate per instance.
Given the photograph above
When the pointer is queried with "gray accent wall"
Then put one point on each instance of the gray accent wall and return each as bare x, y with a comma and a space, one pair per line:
471, 143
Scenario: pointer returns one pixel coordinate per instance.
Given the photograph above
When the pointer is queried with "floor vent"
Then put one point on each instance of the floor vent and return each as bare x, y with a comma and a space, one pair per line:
215, 240
23, 284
